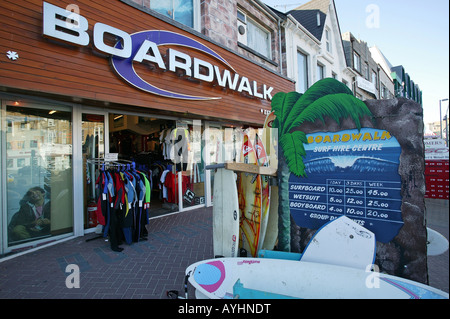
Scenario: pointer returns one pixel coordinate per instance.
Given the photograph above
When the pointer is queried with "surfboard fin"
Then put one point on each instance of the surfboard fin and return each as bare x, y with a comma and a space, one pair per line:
342, 242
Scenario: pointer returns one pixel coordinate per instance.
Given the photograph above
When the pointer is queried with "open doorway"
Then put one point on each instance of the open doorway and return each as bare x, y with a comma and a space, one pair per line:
168, 152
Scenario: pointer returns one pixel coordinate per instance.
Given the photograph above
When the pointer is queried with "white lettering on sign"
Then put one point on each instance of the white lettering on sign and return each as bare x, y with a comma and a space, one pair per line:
71, 27
99, 34
142, 54
64, 29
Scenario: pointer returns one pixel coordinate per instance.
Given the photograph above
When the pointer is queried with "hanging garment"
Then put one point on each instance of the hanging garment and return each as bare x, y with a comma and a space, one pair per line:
128, 209
177, 143
172, 187
144, 216
162, 184
117, 214
102, 200
123, 204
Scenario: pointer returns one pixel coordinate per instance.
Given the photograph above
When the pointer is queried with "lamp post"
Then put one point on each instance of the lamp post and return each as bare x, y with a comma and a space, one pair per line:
446, 130
440, 115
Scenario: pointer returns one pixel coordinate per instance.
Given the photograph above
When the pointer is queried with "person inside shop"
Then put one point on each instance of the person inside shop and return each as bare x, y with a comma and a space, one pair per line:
33, 218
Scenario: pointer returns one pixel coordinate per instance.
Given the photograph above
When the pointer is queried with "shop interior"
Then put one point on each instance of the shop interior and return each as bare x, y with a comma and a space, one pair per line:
164, 150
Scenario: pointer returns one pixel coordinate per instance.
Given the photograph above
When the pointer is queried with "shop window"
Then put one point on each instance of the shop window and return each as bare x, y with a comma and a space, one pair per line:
39, 189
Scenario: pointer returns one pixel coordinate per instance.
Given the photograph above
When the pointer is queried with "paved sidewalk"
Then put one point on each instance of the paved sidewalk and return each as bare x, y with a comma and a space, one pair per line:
146, 270
438, 266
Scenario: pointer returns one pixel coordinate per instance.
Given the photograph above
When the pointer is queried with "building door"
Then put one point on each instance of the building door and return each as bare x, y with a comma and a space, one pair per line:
94, 146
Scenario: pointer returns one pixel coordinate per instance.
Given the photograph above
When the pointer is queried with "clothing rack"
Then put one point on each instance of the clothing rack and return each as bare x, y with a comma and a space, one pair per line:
123, 201
112, 164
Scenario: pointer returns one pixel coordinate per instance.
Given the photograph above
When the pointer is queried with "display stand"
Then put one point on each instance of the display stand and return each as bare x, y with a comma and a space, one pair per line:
246, 168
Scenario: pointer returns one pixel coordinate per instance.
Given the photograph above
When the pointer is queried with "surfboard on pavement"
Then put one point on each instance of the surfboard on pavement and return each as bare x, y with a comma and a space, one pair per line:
249, 193
217, 279
263, 160
225, 214
268, 137
342, 242
437, 244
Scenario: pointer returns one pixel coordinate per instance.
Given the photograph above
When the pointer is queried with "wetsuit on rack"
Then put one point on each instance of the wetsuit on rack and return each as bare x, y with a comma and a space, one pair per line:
102, 200
129, 207
117, 212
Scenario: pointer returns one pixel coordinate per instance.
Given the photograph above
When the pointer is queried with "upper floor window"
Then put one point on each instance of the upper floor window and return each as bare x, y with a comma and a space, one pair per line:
179, 10
356, 62
253, 35
374, 78
302, 72
328, 40
384, 92
320, 71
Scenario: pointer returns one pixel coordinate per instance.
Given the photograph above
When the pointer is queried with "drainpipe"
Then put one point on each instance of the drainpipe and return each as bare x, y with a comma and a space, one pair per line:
279, 46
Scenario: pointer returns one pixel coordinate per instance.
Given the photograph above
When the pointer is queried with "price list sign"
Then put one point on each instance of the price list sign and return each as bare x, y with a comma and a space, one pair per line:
352, 173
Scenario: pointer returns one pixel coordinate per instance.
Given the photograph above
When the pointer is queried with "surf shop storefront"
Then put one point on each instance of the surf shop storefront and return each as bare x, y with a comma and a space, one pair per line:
86, 88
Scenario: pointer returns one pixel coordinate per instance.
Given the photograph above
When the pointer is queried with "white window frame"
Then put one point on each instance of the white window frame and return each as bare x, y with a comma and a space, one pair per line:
245, 21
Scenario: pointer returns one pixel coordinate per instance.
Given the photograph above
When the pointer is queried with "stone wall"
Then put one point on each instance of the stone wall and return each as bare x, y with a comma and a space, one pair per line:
219, 21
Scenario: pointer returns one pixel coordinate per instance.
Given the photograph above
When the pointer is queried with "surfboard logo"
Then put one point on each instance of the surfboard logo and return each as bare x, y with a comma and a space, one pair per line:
242, 262
246, 149
210, 275
258, 150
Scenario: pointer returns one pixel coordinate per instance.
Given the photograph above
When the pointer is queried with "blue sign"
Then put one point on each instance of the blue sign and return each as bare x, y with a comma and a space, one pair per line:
352, 173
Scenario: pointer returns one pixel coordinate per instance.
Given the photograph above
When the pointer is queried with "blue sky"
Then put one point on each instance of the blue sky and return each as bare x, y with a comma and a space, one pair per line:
412, 33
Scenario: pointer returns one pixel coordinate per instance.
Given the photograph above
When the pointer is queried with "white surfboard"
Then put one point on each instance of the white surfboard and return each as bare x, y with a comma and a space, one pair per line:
269, 137
271, 236
225, 214
437, 244
263, 160
277, 278
342, 242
